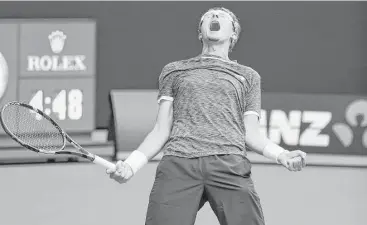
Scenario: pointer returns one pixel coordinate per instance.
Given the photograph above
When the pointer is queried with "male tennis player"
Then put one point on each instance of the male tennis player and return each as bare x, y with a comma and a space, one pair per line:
209, 108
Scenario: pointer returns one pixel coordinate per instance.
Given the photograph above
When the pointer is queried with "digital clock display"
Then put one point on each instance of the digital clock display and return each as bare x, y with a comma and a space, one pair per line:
69, 103
51, 66
70, 107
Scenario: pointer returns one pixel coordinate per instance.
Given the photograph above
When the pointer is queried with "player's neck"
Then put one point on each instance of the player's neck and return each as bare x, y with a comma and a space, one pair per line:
216, 50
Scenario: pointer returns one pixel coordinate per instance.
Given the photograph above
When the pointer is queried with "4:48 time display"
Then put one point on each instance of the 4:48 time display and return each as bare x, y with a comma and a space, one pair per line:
69, 101
66, 104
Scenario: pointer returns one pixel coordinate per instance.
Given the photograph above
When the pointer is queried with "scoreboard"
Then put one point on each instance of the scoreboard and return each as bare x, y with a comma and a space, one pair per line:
50, 64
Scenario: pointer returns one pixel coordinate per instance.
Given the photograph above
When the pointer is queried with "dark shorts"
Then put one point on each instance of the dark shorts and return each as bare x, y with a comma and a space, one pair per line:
183, 185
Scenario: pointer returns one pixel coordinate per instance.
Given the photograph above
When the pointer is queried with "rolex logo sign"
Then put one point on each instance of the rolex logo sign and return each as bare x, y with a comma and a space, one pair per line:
58, 61
3, 75
57, 41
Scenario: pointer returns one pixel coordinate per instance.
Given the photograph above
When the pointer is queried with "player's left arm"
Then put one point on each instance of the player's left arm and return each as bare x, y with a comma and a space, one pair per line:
259, 143
294, 160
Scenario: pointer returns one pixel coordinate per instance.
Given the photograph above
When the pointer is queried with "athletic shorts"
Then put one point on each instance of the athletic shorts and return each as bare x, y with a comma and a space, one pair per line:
183, 185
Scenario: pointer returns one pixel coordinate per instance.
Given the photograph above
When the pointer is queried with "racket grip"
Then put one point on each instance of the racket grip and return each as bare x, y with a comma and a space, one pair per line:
101, 161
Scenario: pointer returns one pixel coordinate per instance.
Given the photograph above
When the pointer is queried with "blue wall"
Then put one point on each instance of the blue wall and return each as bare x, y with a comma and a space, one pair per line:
304, 47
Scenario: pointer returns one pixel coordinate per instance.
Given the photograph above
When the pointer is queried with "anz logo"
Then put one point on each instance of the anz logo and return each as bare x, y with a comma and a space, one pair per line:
287, 128
4, 75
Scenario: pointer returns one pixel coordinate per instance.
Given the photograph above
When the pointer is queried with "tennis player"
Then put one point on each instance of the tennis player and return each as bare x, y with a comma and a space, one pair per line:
209, 108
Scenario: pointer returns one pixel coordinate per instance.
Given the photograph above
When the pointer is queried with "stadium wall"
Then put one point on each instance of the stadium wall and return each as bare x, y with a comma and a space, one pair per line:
299, 47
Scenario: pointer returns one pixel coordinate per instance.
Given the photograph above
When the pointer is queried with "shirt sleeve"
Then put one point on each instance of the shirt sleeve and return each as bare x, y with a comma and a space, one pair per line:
165, 84
253, 96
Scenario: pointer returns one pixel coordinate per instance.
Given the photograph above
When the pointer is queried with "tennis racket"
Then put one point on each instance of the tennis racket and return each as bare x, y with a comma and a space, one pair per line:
36, 131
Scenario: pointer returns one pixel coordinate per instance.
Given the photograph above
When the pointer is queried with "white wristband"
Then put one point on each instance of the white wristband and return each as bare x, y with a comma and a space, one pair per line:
272, 151
136, 160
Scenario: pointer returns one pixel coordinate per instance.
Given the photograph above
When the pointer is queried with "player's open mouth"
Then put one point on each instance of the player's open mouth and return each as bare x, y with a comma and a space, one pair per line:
214, 26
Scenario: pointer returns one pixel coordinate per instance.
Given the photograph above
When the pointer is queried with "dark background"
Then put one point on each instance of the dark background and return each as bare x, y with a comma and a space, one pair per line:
303, 47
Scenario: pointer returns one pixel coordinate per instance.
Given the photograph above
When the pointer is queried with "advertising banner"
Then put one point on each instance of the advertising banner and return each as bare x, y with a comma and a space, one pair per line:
57, 47
50, 64
335, 124
327, 124
8, 65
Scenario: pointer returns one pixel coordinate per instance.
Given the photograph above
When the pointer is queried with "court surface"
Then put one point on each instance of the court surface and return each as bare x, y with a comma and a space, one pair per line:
82, 194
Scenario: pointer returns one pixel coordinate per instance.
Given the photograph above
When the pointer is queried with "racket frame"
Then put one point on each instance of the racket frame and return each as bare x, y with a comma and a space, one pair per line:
83, 153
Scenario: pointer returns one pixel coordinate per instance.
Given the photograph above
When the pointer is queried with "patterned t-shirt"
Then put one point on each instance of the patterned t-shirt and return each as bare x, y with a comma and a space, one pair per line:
210, 98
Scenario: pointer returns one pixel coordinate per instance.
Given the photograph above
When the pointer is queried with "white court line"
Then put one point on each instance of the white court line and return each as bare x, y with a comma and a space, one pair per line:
312, 159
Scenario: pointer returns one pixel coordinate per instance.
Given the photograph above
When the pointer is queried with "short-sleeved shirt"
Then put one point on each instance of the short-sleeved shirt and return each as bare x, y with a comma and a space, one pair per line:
210, 98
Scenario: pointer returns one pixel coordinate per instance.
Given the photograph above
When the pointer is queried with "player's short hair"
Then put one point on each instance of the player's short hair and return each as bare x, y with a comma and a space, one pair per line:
235, 23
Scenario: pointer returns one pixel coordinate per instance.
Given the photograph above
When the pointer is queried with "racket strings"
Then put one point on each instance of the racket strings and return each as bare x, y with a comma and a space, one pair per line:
32, 128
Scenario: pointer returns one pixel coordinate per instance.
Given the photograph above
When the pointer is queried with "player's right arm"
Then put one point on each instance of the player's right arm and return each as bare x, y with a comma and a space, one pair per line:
157, 137
151, 145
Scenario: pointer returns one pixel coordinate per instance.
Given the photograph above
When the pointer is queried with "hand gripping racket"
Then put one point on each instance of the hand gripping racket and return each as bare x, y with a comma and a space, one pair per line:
36, 131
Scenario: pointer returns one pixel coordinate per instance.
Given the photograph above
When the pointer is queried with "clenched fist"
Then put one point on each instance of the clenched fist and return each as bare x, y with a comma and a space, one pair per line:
122, 174
293, 160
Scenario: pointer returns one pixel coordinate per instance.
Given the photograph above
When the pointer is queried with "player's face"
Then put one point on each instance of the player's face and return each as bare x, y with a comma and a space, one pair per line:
217, 26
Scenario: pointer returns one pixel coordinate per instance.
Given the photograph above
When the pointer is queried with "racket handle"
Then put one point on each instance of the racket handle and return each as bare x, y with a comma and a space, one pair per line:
101, 161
